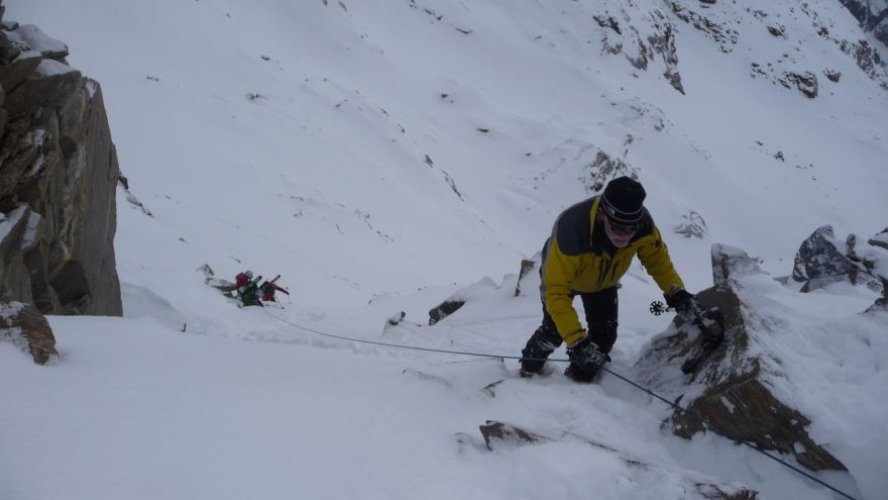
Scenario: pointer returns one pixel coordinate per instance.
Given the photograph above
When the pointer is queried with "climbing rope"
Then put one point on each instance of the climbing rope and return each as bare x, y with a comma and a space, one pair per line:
657, 308
675, 406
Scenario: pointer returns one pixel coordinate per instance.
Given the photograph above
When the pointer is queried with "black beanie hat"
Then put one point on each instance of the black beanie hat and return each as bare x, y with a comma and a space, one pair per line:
622, 200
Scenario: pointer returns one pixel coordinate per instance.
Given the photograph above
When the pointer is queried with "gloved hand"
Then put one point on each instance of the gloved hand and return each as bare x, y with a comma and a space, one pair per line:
684, 302
586, 360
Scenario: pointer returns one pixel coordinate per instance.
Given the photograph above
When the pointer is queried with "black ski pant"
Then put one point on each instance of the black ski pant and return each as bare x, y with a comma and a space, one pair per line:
601, 325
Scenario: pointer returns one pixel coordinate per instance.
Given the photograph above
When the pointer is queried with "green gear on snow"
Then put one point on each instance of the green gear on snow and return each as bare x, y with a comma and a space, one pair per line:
250, 294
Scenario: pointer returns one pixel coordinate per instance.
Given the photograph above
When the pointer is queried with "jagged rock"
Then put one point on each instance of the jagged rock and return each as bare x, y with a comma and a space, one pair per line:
832, 75
881, 304
639, 48
805, 82
31, 38
396, 319
47, 86
735, 399
28, 329
711, 491
728, 393
870, 266
608, 22
57, 157
476, 291
526, 267
693, 226
870, 20
880, 240
867, 58
603, 169
778, 31
819, 260
665, 45
444, 309
724, 36
498, 431
131, 198
20, 150
14, 73
730, 264
14, 233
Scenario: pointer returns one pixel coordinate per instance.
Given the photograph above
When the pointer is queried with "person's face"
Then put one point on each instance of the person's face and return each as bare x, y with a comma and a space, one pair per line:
619, 234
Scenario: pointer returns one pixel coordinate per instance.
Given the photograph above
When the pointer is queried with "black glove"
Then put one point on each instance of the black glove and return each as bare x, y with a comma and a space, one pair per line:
684, 302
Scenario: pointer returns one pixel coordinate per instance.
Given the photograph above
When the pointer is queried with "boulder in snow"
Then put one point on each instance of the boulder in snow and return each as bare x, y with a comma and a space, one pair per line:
805, 82
693, 226
730, 265
444, 309
730, 393
27, 328
819, 261
483, 288
494, 431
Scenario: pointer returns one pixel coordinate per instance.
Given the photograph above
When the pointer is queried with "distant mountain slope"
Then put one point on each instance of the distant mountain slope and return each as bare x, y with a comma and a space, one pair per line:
370, 146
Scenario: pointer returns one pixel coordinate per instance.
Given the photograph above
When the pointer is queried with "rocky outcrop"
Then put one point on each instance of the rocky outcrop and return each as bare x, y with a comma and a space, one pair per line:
880, 240
717, 30
500, 435
58, 178
805, 82
486, 288
26, 327
640, 49
729, 393
604, 169
692, 226
871, 260
444, 309
821, 261
872, 17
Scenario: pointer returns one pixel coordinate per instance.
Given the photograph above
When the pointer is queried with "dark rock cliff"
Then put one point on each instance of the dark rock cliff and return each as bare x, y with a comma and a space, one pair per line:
58, 178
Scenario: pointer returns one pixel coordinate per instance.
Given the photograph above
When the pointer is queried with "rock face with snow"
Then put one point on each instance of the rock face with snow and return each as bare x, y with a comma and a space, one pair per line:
58, 178
820, 261
27, 328
873, 260
730, 393
645, 37
873, 17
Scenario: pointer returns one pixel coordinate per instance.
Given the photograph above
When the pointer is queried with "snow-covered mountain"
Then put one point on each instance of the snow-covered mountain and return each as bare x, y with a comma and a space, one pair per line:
380, 155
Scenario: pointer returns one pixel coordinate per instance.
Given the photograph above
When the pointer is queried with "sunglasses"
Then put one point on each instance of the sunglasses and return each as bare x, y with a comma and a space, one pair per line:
622, 229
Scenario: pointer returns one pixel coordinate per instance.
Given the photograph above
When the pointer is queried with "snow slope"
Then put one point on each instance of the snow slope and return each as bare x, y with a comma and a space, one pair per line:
380, 156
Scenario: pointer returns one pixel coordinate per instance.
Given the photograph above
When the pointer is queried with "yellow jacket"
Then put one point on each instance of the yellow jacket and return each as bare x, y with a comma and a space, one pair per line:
579, 258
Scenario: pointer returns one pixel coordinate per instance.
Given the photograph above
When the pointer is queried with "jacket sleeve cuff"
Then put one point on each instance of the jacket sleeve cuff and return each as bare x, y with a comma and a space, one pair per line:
574, 337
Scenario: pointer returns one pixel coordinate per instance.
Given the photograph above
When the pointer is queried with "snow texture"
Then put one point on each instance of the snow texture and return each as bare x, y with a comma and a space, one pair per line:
384, 155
